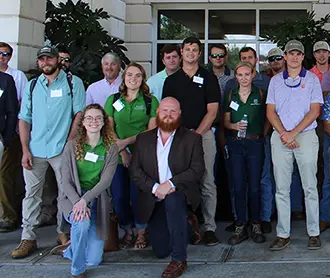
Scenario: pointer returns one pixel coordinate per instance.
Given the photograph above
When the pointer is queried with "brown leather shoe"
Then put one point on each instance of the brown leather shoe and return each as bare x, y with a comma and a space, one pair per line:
24, 249
83, 275
59, 249
324, 225
196, 236
63, 238
280, 243
174, 269
314, 243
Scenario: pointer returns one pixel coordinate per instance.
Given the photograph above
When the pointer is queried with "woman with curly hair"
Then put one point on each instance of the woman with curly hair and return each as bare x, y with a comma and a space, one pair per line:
131, 111
89, 163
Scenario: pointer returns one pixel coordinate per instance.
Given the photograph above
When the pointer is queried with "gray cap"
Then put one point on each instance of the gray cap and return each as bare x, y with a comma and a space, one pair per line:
294, 45
275, 52
320, 45
47, 51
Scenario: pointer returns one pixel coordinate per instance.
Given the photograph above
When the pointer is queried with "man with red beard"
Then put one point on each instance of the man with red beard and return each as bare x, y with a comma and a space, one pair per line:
168, 165
53, 108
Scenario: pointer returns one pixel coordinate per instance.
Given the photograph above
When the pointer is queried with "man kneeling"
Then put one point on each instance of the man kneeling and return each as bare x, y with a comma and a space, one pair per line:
167, 165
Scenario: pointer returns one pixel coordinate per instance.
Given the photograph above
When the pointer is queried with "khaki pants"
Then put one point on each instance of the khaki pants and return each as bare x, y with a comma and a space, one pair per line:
35, 180
208, 187
11, 188
306, 157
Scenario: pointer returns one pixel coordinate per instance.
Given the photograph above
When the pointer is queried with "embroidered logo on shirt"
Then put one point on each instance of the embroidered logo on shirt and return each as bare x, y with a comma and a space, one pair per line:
255, 102
140, 107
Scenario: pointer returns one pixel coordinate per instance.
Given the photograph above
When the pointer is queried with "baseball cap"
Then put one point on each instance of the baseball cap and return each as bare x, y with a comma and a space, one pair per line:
294, 45
320, 45
275, 52
47, 51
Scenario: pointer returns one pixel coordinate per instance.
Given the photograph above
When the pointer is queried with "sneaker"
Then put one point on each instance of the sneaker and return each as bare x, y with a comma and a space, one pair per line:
231, 227
280, 243
210, 239
24, 249
256, 234
240, 235
266, 227
314, 243
7, 225
63, 238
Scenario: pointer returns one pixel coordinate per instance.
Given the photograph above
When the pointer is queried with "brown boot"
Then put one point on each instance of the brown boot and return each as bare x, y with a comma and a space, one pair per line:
63, 238
83, 275
24, 249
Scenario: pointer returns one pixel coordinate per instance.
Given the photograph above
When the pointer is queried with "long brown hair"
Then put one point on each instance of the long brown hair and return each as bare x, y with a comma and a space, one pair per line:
106, 132
144, 87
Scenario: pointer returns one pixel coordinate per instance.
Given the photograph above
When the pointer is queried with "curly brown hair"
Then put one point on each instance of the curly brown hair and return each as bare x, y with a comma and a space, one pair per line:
106, 132
144, 87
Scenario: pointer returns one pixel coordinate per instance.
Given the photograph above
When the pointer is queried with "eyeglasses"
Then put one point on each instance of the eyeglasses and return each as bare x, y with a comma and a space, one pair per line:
65, 59
215, 55
89, 119
5, 53
275, 58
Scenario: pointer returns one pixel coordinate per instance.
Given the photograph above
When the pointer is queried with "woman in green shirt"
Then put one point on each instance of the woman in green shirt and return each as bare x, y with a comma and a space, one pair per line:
131, 112
89, 163
244, 110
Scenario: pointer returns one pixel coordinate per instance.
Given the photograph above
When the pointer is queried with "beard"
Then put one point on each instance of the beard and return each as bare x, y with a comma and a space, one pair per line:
51, 70
168, 126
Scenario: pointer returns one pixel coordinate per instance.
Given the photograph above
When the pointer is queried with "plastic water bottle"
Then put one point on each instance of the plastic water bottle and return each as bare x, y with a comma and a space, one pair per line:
242, 133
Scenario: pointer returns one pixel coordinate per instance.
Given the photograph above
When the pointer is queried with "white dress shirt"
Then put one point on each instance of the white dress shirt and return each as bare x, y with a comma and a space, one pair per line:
20, 81
163, 151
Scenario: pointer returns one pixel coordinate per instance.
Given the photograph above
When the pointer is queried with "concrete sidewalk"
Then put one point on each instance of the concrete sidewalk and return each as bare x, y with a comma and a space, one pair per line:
245, 260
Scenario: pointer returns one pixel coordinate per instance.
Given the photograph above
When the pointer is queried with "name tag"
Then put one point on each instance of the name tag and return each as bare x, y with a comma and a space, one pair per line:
199, 80
92, 157
118, 105
1, 92
56, 93
233, 105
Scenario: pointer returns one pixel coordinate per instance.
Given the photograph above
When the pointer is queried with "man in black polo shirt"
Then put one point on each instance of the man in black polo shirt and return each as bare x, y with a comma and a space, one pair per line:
198, 92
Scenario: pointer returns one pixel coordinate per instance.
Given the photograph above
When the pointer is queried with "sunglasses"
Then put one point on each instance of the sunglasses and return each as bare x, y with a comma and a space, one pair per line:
275, 58
66, 59
215, 55
5, 53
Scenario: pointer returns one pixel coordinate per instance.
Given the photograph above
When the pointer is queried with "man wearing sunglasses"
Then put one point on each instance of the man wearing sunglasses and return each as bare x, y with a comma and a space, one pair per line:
275, 61
65, 57
293, 105
10, 193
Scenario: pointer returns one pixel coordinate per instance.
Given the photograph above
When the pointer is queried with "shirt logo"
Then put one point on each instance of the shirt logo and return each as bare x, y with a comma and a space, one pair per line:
255, 102
140, 107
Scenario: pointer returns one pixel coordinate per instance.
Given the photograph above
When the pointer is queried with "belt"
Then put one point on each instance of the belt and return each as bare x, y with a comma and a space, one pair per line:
248, 136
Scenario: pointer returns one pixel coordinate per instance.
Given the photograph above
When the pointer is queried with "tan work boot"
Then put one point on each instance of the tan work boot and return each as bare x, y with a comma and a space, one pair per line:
24, 249
63, 239
83, 275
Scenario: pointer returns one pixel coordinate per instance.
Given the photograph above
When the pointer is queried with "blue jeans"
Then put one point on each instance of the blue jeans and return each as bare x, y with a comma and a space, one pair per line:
125, 196
325, 201
86, 248
247, 158
268, 187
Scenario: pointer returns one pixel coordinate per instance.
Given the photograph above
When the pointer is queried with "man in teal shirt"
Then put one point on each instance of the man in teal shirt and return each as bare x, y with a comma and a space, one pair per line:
170, 56
47, 120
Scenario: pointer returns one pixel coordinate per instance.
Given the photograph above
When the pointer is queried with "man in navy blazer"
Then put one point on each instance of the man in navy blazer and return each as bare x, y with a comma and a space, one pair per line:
168, 165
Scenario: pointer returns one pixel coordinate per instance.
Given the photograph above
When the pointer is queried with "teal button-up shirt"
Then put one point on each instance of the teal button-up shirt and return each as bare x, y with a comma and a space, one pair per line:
156, 84
52, 112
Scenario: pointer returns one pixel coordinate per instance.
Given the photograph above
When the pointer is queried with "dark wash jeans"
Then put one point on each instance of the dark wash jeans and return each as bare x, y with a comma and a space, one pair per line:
246, 159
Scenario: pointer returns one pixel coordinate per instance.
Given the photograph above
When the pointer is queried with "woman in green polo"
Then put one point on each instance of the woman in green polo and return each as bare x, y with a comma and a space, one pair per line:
244, 109
131, 112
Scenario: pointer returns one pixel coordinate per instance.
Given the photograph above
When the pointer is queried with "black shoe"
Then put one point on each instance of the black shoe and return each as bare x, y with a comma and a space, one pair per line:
256, 234
266, 227
210, 239
240, 235
230, 228
7, 226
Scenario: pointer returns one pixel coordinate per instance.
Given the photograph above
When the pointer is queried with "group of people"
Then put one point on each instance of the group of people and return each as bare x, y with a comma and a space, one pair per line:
145, 149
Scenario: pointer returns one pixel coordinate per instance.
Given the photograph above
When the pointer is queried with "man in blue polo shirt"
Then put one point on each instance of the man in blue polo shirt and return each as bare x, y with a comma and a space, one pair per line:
53, 108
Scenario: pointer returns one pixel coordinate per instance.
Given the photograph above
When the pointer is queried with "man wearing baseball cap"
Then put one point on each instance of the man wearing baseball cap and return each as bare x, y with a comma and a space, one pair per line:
52, 104
321, 55
293, 105
276, 61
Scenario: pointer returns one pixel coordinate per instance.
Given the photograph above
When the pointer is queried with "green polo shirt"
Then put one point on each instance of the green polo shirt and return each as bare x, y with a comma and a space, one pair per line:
90, 172
254, 108
132, 119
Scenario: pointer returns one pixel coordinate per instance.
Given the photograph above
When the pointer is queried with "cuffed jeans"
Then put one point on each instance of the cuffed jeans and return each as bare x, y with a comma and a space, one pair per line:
168, 227
325, 202
246, 157
125, 196
306, 157
208, 187
86, 249
34, 182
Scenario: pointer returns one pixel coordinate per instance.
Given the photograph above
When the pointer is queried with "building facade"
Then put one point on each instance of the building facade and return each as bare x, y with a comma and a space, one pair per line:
146, 25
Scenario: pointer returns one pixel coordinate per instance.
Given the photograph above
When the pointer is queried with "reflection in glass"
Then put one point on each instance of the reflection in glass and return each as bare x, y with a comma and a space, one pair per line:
232, 24
179, 24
